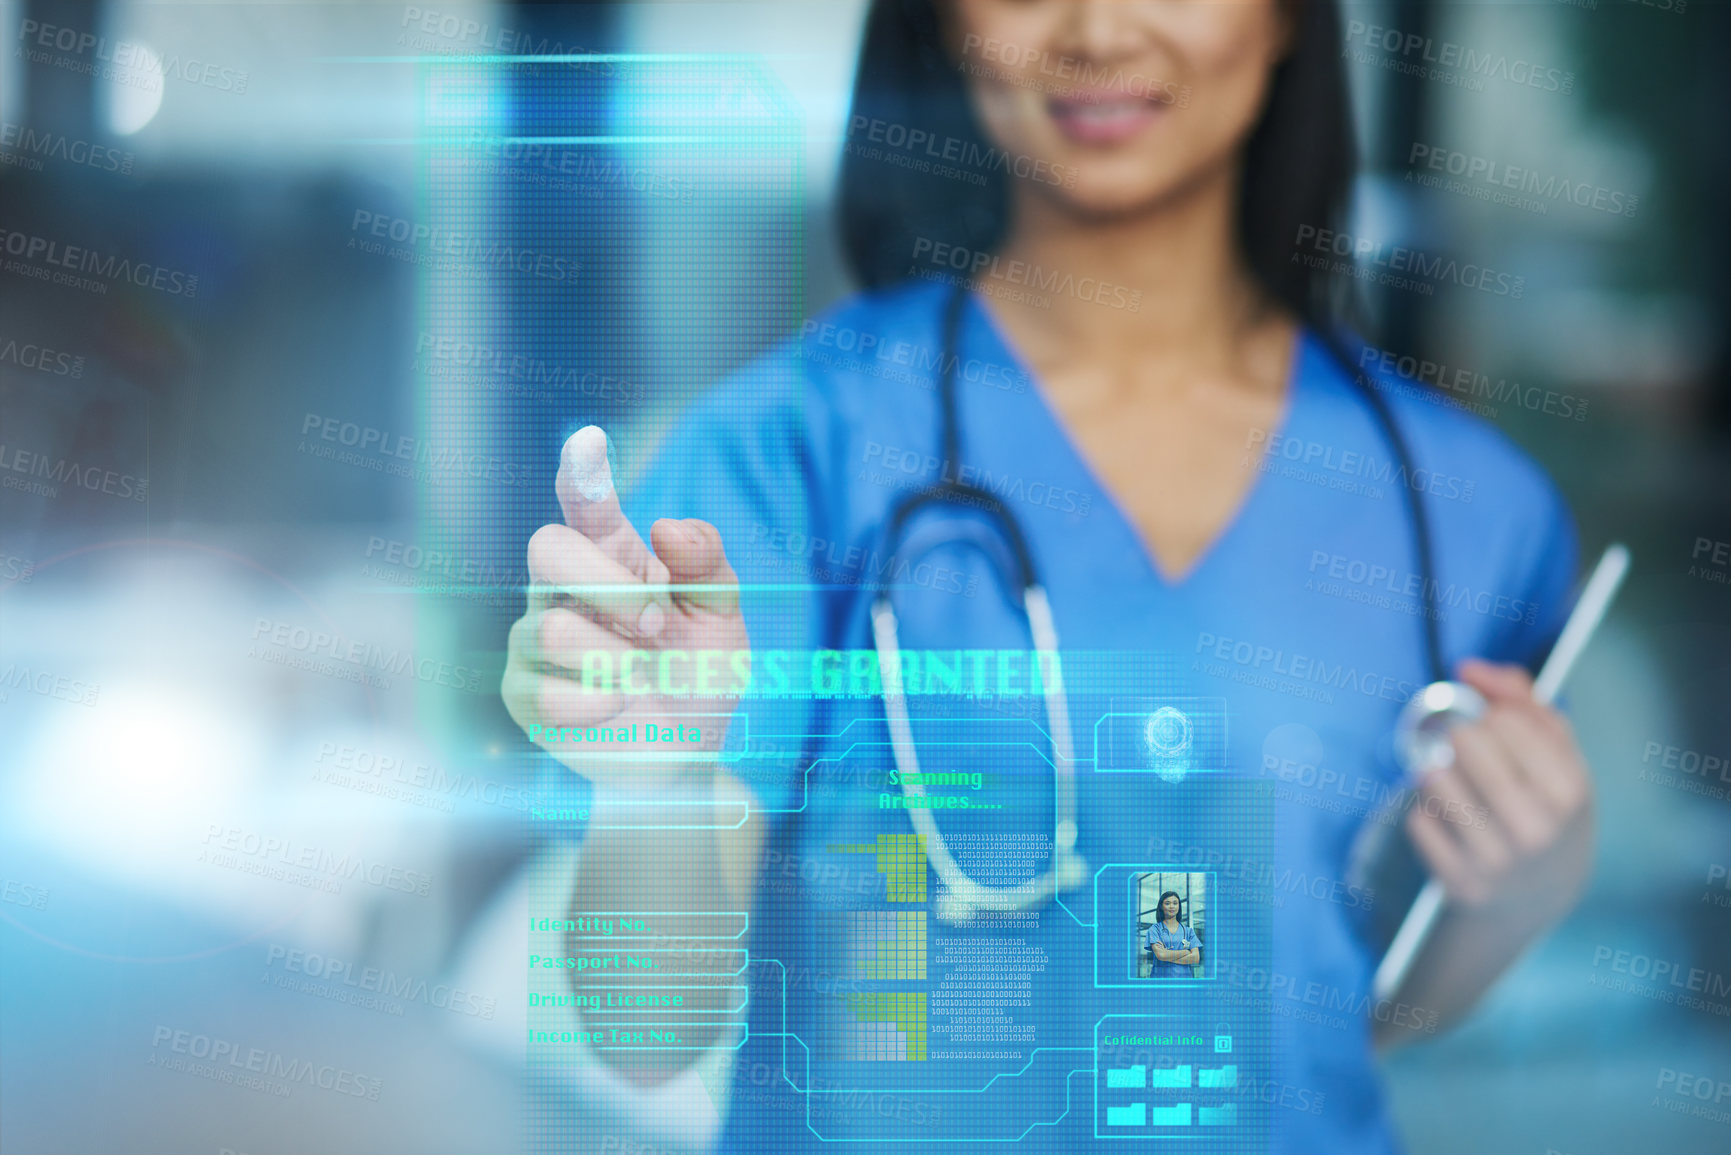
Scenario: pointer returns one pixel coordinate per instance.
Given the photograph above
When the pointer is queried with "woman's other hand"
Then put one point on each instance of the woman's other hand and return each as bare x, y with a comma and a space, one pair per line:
1510, 823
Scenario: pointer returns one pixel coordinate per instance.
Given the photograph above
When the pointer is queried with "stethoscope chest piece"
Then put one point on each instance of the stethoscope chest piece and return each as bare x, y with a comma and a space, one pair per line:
1422, 732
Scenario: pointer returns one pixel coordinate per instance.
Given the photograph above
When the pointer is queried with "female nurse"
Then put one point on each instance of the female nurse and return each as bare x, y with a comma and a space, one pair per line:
1101, 218
1175, 947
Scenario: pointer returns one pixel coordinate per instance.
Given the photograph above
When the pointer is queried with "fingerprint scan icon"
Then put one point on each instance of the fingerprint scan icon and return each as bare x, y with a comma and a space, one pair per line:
1166, 739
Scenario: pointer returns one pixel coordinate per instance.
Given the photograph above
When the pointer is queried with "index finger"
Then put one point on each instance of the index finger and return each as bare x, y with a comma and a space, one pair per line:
591, 504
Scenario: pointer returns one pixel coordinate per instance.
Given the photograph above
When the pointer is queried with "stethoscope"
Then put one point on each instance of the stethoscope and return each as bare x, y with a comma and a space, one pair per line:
962, 897
1421, 731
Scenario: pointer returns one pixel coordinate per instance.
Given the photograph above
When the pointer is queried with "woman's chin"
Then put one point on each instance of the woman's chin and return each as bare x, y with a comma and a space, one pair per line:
1106, 198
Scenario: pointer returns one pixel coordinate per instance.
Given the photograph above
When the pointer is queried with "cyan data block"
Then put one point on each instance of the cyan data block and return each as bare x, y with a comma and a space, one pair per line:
1136, 1077
1177, 1115
1225, 1115
1171, 1076
1217, 1077
1135, 1115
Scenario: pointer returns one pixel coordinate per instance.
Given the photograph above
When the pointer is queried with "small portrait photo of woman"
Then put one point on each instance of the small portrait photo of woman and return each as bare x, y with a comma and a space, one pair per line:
1170, 909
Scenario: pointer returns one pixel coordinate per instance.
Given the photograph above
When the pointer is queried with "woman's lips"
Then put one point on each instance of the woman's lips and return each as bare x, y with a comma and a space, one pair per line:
1088, 118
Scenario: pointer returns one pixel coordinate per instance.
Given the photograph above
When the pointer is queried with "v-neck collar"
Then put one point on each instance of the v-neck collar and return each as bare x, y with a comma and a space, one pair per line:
1249, 505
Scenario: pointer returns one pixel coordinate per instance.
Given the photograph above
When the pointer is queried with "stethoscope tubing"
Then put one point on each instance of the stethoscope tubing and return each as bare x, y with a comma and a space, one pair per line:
963, 895
1066, 868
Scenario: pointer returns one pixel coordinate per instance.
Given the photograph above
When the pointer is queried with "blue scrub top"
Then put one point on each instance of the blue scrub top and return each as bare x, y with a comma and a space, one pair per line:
1181, 939
1300, 623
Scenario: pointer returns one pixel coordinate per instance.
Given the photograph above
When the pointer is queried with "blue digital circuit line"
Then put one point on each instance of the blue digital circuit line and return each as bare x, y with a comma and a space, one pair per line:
744, 817
805, 775
1065, 907
822, 1138
805, 781
1062, 1115
784, 1034
852, 722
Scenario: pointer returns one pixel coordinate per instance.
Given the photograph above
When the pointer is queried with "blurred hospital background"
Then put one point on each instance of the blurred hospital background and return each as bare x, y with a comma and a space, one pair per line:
267, 487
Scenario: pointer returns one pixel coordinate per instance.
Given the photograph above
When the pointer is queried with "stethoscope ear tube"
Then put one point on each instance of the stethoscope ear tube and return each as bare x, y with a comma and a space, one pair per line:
962, 897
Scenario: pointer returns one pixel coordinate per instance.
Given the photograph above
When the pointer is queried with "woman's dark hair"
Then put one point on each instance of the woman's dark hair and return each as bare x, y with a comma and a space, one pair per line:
1298, 163
1160, 907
